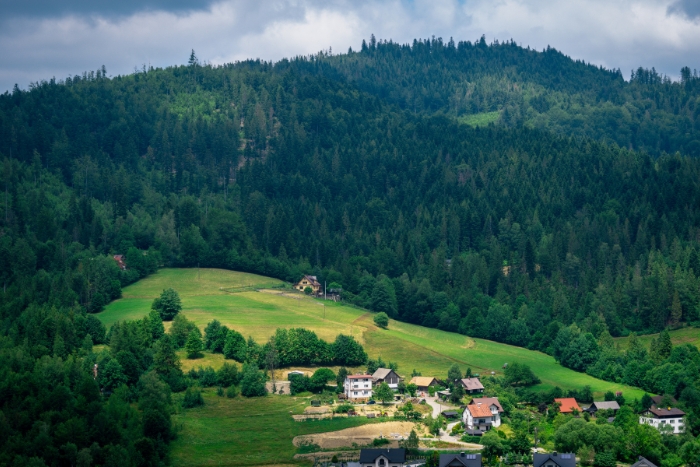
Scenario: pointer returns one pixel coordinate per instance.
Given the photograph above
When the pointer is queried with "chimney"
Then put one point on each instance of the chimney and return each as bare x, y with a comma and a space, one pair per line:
461, 454
554, 454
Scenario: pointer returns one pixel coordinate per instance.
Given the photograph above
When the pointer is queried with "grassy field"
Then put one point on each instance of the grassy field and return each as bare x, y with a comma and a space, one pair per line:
258, 314
260, 431
679, 336
238, 432
480, 119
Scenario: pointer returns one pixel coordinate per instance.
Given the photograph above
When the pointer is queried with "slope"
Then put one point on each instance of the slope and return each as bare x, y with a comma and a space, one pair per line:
258, 314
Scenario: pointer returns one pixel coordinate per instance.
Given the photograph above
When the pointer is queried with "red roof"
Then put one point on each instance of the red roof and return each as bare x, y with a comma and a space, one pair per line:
359, 376
478, 410
568, 405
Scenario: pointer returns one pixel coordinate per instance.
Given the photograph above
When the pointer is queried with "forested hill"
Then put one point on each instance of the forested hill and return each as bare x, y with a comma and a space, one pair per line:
356, 168
516, 86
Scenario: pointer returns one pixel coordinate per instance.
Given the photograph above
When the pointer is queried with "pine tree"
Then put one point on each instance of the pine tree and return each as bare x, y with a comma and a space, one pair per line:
193, 347
676, 310
664, 345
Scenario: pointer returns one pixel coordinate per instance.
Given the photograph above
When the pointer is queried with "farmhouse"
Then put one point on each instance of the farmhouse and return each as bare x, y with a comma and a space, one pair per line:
482, 414
554, 460
471, 385
568, 405
460, 460
660, 418
383, 457
358, 387
424, 382
311, 282
388, 376
604, 405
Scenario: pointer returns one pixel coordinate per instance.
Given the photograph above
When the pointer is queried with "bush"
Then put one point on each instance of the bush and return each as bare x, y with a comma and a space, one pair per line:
193, 398
382, 320
220, 391
253, 381
228, 375
231, 392
344, 408
380, 441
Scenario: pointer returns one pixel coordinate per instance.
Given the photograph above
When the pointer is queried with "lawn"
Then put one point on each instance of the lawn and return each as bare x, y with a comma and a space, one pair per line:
238, 432
258, 314
480, 119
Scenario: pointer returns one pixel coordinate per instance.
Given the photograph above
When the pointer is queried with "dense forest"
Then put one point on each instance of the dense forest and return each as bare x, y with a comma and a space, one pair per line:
569, 219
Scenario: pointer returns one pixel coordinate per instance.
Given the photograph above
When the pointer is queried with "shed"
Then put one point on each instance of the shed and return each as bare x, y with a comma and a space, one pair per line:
449, 413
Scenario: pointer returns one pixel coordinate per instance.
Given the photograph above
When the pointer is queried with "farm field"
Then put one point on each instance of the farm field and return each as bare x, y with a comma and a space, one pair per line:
239, 432
258, 314
678, 337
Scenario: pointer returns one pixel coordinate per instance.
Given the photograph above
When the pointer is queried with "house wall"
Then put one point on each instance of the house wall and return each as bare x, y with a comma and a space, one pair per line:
358, 388
676, 423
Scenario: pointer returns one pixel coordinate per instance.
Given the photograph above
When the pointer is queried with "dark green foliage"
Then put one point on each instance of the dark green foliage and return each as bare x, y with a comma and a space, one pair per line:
299, 383
381, 319
194, 346
520, 374
206, 377
383, 393
228, 375
193, 398
168, 304
235, 346
215, 337
454, 373
347, 351
181, 329
252, 381
231, 392
320, 378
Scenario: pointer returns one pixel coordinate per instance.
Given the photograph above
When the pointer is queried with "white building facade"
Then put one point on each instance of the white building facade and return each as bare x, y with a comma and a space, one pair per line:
661, 418
358, 387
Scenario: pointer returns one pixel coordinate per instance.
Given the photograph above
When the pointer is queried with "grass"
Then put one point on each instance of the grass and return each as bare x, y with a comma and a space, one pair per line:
679, 336
258, 314
239, 432
260, 431
480, 119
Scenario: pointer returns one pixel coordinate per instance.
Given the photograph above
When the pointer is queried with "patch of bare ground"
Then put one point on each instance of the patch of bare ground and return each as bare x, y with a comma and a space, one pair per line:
360, 436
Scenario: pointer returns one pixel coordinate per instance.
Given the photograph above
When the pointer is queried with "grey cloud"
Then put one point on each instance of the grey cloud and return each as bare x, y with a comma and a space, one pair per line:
689, 8
11, 9
623, 34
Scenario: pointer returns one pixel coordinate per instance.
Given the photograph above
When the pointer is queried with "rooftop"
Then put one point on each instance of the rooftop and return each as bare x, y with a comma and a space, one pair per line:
472, 384
568, 405
488, 401
359, 376
666, 412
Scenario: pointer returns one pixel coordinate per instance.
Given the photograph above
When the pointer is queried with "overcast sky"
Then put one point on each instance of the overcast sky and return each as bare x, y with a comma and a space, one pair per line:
41, 39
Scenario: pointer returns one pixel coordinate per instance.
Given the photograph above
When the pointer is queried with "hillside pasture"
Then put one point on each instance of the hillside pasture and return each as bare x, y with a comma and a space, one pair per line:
258, 314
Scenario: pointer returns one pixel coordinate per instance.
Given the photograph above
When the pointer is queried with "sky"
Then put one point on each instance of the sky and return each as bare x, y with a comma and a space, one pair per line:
41, 39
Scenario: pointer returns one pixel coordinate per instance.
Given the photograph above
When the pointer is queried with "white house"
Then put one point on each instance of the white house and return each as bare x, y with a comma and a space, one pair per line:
358, 387
482, 416
659, 417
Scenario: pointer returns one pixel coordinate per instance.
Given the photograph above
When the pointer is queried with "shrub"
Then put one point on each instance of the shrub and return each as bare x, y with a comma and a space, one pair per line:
193, 398
220, 391
232, 392
382, 320
228, 375
380, 442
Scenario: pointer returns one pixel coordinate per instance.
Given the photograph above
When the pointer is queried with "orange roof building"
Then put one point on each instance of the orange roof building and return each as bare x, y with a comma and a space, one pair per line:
567, 405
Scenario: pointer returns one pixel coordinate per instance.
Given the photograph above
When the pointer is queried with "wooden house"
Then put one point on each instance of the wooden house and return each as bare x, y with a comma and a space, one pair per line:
311, 282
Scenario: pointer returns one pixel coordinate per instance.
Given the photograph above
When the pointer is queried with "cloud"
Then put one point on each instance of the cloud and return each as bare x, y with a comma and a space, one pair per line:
623, 34
688, 8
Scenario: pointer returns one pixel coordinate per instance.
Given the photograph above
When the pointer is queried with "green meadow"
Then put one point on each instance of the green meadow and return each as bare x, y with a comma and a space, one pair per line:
258, 314
239, 431
259, 431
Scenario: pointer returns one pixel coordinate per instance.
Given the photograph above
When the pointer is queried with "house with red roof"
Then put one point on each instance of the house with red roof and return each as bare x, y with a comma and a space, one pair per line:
568, 405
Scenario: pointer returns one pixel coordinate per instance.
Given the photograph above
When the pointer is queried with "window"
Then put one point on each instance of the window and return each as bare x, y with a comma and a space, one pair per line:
566, 456
381, 462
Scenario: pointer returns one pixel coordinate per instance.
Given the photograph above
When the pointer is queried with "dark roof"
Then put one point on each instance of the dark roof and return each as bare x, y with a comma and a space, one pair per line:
449, 413
461, 459
657, 400
392, 455
643, 462
606, 405
382, 373
565, 459
666, 412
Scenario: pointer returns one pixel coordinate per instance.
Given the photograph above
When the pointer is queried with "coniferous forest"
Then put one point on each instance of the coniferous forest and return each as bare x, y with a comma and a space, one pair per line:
487, 189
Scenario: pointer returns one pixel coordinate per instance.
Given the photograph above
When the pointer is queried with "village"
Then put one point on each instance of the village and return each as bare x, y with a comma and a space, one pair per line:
455, 424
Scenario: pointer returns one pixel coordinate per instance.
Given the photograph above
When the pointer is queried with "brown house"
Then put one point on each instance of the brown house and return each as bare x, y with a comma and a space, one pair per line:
120, 261
471, 385
309, 281
388, 376
423, 382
